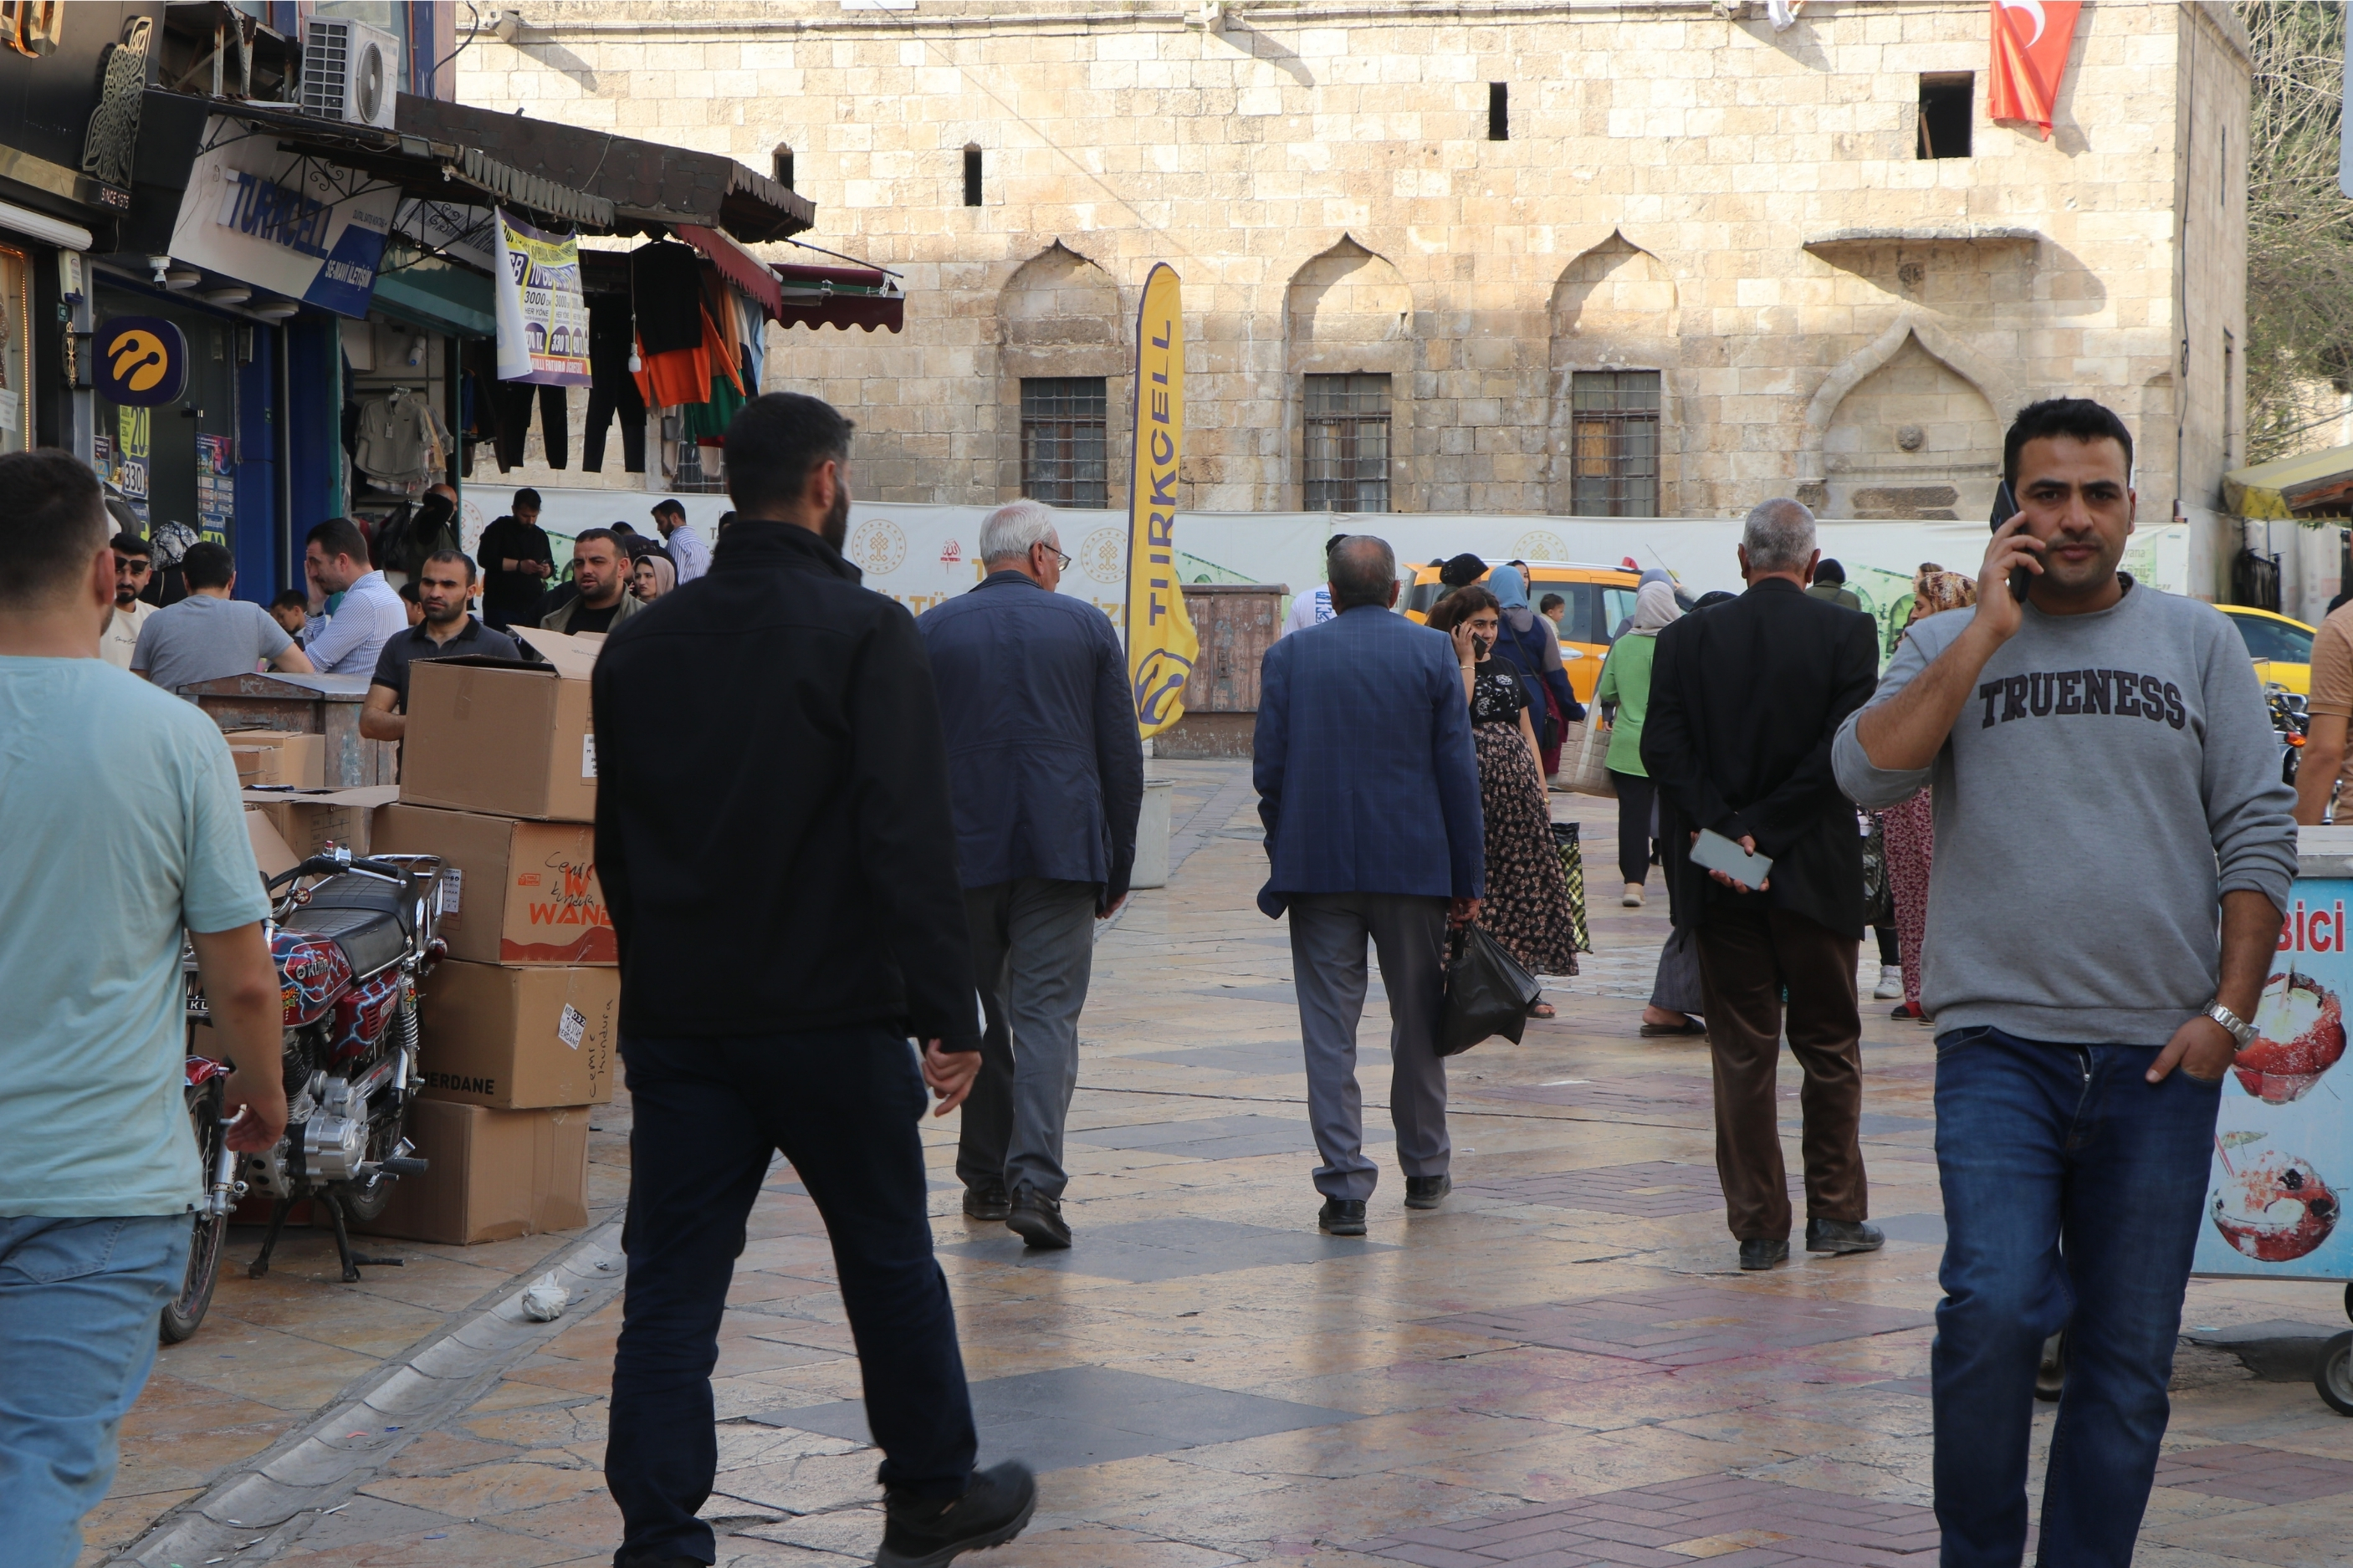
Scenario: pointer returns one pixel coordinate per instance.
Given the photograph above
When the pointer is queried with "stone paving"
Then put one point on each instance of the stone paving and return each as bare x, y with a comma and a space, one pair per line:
1562, 1366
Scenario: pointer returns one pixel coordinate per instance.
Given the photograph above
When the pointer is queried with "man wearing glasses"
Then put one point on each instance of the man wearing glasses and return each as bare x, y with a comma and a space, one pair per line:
1048, 778
133, 564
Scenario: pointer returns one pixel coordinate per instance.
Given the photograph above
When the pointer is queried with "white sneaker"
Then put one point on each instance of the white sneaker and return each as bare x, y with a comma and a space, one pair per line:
1890, 982
1633, 899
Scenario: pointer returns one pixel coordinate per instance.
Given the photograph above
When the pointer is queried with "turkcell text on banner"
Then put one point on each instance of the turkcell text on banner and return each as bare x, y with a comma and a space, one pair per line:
1161, 647
543, 316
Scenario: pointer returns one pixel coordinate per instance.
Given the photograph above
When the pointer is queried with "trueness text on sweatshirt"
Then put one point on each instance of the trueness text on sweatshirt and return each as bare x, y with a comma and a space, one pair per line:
2109, 778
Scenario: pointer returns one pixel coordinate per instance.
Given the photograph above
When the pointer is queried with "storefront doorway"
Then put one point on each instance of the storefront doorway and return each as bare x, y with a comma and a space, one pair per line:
178, 463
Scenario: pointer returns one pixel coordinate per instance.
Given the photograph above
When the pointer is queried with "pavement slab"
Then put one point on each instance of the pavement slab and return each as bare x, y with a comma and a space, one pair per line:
1561, 1366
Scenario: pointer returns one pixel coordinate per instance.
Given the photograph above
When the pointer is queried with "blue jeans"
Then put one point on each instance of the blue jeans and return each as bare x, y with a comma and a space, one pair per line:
2072, 1189
79, 1304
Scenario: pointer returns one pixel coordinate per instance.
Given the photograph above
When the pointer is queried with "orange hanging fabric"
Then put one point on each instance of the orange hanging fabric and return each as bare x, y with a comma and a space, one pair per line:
2031, 41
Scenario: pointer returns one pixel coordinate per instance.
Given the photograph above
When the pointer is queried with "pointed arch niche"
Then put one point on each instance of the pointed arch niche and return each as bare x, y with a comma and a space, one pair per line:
1908, 427
1614, 316
1347, 311
1060, 316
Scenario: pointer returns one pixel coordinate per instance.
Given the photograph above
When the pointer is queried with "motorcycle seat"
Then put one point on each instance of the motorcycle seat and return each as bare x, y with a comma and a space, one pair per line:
365, 917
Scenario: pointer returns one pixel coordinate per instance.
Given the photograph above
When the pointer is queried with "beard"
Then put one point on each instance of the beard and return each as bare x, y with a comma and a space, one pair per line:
835, 529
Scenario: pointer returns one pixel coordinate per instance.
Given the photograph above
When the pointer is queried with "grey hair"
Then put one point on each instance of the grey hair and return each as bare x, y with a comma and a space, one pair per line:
1012, 528
1779, 536
1363, 569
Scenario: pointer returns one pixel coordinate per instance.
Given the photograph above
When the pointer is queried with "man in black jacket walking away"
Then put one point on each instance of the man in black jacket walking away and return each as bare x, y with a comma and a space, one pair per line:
777, 854
1744, 702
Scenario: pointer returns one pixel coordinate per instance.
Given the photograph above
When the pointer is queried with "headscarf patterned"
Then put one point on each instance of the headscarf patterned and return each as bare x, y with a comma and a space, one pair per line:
1935, 590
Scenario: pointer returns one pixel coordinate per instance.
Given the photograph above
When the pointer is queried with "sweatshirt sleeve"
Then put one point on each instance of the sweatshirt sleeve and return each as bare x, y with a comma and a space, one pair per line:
1867, 785
2250, 809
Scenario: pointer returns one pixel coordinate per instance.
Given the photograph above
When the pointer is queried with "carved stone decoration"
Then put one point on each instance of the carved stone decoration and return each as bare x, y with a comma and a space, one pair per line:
114, 138
1910, 437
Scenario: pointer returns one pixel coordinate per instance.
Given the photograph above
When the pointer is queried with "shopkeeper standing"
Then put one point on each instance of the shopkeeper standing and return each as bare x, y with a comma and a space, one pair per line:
445, 584
517, 563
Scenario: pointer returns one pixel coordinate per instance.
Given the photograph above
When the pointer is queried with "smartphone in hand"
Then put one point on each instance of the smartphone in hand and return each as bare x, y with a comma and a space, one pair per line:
2005, 507
1717, 853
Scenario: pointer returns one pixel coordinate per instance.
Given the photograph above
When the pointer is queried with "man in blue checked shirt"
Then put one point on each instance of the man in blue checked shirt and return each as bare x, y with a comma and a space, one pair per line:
1369, 792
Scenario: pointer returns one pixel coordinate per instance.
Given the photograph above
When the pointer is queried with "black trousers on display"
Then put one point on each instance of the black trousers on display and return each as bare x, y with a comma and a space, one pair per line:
515, 400
844, 1106
609, 397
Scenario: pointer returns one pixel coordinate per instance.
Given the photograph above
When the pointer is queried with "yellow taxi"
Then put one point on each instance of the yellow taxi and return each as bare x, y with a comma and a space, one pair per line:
2280, 647
1601, 599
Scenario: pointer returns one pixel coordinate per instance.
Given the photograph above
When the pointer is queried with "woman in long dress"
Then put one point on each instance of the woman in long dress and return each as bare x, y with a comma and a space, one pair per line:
1911, 831
1526, 906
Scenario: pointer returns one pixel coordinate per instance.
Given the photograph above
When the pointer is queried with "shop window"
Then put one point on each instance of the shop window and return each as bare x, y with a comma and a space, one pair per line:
1065, 461
1947, 110
1347, 443
690, 475
781, 162
1499, 111
1614, 443
972, 176
15, 339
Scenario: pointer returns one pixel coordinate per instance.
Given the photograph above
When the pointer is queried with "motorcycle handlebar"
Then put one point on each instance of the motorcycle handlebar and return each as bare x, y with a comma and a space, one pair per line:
329, 865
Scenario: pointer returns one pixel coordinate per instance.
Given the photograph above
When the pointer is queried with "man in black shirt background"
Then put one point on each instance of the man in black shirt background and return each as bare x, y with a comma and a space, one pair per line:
600, 570
517, 564
445, 581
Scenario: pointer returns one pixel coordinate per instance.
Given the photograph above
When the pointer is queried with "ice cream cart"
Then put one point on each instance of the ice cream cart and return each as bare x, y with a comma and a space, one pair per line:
2284, 1139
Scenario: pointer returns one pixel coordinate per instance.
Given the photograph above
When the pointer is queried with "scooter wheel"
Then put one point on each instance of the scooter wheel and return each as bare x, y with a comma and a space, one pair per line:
2334, 1376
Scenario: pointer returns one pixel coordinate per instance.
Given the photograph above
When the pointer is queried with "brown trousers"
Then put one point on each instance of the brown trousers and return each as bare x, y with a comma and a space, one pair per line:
1746, 958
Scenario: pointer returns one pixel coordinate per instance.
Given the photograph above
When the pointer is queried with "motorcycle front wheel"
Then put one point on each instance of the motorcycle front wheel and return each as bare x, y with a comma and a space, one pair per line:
183, 1312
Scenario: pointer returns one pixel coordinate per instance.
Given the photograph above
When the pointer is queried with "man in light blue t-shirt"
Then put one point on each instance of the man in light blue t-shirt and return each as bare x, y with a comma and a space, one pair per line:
120, 825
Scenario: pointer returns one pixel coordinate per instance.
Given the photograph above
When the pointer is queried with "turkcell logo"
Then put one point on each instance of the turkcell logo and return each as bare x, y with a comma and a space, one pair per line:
267, 211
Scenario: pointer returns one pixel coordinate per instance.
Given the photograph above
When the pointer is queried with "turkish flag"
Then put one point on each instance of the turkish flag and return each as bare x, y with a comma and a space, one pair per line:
2031, 39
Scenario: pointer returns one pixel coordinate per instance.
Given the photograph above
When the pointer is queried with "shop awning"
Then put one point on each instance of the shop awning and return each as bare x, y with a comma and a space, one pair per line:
430, 293
840, 297
2314, 485
739, 265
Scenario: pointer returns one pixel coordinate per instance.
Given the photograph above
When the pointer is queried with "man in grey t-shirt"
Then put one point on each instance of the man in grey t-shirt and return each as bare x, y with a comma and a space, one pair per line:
208, 635
2114, 849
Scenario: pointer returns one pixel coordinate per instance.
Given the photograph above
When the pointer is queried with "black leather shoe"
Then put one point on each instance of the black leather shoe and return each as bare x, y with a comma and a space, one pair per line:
1757, 1253
1342, 1217
1427, 1192
986, 1202
1037, 1220
992, 1512
1842, 1235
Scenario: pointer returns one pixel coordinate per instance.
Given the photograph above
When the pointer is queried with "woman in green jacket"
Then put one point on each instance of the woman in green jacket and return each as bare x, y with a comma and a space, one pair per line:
1626, 686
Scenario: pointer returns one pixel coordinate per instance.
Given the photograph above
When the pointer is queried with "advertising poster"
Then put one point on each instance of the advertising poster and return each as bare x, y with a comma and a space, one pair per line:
543, 315
2283, 1140
132, 430
216, 489
1161, 646
296, 226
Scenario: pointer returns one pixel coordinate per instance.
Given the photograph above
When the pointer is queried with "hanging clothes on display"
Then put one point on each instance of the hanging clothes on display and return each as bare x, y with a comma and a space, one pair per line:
705, 422
665, 291
613, 392
401, 444
515, 400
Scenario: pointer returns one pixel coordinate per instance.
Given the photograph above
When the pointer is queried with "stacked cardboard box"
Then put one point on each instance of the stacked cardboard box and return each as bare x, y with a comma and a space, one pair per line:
520, 1023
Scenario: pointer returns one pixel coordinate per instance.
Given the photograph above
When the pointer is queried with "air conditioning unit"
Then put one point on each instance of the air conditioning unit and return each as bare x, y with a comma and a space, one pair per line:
351, 71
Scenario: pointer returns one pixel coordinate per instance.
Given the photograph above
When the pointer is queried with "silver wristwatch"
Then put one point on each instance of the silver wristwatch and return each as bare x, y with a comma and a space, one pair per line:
2241, 1030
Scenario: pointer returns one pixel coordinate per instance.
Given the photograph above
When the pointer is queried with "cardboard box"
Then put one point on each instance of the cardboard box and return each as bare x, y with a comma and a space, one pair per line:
520, 1038
310, 820
512, 891
490, 1174
287, 757
270, 849
504, 737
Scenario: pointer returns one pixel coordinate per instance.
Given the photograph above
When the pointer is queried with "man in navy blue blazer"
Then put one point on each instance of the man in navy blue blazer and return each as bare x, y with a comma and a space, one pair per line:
1048, 778
1369, 791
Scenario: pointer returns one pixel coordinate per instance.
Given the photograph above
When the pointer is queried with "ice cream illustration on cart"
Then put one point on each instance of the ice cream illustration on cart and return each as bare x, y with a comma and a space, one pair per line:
2299, 1035
2276, 1208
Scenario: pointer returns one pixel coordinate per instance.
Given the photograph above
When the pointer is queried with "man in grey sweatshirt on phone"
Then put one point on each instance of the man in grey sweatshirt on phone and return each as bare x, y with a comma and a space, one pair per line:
2114, 847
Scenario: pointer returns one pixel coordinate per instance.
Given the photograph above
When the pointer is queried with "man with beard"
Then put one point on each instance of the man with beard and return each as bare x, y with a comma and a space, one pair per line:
133, 564
445, 585
820, 863
600, 570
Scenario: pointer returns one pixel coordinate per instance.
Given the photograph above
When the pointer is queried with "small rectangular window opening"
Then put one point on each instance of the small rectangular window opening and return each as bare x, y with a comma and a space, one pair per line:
972, 176
1499, 111
782, 160
1947, 113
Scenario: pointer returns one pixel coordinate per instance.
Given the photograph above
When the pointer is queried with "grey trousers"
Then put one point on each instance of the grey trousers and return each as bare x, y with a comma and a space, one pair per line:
1032, 951
1328, 931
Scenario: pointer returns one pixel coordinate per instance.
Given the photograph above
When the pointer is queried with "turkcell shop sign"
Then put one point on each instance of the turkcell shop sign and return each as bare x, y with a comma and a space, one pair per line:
296, 226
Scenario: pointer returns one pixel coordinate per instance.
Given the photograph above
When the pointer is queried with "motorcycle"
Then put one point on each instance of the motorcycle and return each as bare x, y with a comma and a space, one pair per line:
350, 948
2290, 723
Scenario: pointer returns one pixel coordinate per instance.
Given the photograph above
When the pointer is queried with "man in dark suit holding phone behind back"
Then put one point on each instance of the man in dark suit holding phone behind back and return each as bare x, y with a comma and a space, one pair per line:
1744, 702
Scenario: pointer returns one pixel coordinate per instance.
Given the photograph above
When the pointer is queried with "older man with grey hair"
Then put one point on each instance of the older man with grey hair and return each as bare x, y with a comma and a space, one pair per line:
1744, 702
1047, 777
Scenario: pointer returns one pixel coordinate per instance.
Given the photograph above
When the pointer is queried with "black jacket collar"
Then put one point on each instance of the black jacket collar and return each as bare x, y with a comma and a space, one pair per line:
761, 544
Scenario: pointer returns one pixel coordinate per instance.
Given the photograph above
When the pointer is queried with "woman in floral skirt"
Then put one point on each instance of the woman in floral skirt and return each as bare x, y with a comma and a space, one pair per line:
1526, 903
1911, 833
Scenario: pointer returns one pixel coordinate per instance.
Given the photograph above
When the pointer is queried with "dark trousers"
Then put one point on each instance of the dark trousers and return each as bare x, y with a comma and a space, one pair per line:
1747, 957
1636, 794
610, 396
844, 1107
514, 399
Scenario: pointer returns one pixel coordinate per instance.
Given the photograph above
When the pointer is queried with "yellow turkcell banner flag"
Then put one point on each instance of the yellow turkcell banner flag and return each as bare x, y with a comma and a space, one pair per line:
1161, 646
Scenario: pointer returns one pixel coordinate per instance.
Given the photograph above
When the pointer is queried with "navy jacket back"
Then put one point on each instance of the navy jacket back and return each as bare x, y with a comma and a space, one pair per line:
1045, 766
1367, 780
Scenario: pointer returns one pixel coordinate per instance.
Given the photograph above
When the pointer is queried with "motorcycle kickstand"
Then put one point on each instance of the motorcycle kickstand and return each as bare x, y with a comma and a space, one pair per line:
351, 1261
279, 1209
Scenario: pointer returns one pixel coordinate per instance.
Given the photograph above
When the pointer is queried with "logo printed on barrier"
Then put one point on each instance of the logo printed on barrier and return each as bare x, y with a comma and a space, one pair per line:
142, 362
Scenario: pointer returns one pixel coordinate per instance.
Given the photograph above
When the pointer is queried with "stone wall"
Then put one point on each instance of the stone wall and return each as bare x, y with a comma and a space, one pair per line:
1739, 210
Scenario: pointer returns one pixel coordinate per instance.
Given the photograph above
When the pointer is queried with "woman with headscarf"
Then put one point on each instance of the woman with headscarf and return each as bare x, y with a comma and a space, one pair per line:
652, 576
1525, 644
1626, 685
1526, 906
1911, 831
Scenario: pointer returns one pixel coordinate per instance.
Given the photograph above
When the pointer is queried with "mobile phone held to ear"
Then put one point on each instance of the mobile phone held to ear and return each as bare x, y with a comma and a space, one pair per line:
2005, 507
1717, 853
